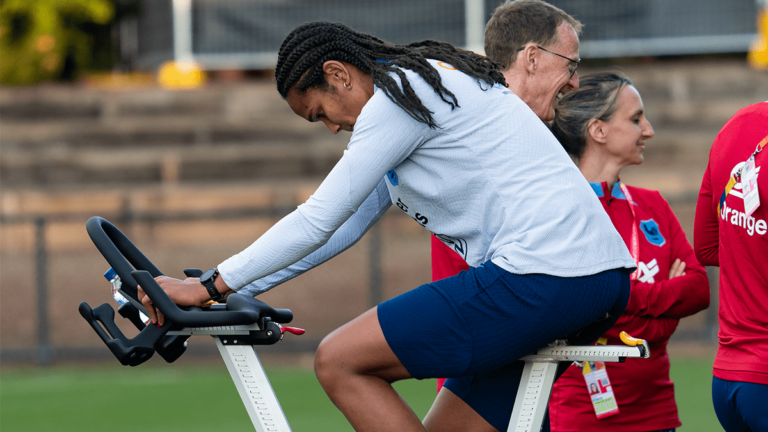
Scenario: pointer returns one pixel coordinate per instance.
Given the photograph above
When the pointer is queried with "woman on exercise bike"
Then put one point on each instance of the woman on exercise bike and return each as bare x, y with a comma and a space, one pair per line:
436, 132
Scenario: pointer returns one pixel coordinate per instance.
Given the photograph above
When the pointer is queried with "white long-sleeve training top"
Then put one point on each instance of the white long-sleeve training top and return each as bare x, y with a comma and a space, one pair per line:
491, 181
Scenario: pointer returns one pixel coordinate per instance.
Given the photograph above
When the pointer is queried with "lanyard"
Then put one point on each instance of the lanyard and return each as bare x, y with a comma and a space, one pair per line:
635, 243
732, 181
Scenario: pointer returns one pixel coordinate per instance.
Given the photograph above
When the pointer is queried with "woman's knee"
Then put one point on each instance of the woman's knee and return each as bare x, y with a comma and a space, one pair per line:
342, 352
327, 365
357, 348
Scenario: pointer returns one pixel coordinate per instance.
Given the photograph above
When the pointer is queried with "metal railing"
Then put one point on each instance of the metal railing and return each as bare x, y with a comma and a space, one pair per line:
246, 34
45, 351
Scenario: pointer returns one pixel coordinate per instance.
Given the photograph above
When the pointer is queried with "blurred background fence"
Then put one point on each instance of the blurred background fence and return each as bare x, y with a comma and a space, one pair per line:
237, 34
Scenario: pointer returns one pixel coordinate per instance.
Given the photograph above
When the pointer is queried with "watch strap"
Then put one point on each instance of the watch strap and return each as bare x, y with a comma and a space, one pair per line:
208, 280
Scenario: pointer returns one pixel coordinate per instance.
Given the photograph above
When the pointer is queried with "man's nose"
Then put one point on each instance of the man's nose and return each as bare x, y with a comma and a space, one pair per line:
573, 83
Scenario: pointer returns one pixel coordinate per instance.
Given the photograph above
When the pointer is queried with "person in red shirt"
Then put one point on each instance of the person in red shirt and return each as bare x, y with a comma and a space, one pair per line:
731, 233
603, 126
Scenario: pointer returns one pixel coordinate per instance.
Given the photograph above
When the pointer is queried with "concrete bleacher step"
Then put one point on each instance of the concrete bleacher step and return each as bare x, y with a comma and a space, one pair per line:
154, 132
122, 167
66, 136
51, 102
70, 136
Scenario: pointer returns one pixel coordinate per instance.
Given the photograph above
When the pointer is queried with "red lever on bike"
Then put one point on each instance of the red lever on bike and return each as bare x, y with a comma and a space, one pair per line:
294, 330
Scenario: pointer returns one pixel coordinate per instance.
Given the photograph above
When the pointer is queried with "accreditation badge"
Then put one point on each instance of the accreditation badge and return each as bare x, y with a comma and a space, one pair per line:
599, 388
749, 186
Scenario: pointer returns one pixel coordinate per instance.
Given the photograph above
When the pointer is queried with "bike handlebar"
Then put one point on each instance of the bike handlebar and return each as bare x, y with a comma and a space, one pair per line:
120, 253
241, 310
124, 257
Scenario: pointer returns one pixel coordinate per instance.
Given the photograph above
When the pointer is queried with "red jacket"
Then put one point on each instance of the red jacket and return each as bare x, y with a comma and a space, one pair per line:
445, 263
739, 246
642, 386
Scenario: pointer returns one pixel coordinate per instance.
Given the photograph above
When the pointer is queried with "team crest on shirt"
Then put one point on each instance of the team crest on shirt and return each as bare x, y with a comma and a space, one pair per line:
651, 230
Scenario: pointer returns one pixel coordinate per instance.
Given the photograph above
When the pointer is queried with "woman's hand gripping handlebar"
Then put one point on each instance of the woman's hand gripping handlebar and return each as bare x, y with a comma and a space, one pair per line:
241, 312
188, 292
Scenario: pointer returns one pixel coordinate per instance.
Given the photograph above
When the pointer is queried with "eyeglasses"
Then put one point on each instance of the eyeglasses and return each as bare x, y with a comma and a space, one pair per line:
571, 66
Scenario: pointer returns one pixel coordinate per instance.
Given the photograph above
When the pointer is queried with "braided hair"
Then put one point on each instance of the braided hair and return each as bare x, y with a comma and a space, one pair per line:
305, 50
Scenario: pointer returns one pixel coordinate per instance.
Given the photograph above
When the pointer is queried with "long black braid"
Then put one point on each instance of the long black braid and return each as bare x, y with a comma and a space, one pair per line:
305, 50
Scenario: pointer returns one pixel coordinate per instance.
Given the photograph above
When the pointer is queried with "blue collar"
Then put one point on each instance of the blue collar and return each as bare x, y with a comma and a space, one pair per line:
600, 189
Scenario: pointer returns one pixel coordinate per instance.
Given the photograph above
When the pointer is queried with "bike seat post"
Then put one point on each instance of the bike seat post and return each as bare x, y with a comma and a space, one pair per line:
533, 395
540, 372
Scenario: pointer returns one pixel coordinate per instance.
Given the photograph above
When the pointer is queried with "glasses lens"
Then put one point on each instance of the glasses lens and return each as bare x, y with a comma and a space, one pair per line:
572, 68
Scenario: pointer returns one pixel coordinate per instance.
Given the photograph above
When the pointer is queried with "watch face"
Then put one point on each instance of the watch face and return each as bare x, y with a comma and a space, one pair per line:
207, 279
209, 275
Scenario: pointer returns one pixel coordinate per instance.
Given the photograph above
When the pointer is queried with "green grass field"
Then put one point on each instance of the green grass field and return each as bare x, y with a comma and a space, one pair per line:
202, 398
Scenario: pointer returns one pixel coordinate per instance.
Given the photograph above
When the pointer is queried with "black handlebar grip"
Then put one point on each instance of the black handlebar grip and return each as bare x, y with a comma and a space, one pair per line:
190, 318
130, 352
120, 253
170, 348
129, 311
283, 316
237, 302
193, 272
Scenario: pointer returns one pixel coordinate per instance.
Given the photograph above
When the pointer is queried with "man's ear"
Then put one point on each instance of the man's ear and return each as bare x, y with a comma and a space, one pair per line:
336, 73
530, 57
596, 131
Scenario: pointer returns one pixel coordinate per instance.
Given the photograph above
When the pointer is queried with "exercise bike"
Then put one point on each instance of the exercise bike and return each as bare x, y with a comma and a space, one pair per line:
244, 322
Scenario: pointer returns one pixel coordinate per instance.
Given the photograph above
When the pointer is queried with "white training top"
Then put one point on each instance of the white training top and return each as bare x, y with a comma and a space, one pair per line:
491, 181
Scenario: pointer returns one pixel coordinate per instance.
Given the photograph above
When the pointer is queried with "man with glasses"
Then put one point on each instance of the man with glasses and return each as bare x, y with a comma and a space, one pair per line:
537, 46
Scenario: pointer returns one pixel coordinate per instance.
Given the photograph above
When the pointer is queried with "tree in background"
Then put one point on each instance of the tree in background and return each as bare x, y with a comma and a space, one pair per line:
47, 39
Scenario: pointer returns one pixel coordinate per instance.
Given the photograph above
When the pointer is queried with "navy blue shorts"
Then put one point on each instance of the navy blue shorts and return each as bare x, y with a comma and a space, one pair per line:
473, 328
740, 406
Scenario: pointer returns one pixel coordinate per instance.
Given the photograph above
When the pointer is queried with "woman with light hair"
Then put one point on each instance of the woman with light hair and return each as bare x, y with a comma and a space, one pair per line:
602, 125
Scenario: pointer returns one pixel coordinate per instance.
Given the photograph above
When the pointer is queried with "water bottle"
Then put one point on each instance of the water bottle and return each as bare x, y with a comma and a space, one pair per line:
114, 279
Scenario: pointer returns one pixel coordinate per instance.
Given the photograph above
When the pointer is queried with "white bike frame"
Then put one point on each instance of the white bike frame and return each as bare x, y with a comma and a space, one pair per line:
527, 415
248, 375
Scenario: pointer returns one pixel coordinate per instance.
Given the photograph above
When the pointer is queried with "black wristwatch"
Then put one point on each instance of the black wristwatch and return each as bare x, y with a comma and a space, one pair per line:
207, 279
